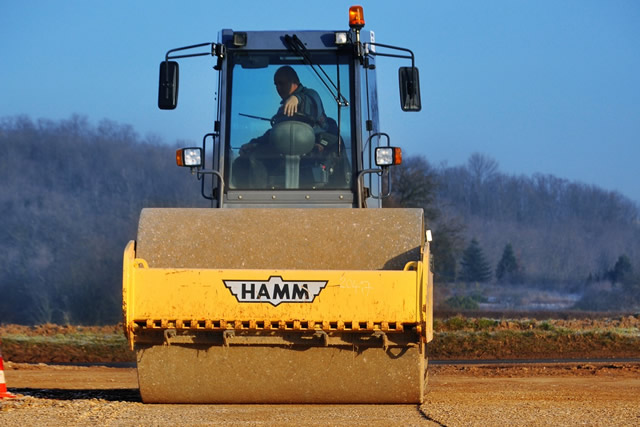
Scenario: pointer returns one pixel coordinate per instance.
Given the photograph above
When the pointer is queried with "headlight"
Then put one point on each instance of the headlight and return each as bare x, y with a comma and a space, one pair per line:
191, 157
388, 156
341, 38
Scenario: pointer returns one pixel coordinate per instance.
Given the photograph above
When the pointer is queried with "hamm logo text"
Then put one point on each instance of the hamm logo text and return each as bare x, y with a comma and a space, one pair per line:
275, 290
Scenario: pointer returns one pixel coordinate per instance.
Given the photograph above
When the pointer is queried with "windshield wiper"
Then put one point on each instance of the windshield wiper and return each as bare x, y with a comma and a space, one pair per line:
296, 45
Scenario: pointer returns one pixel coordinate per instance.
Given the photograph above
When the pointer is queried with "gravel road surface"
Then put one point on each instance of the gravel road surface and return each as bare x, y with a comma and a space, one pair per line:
459, 395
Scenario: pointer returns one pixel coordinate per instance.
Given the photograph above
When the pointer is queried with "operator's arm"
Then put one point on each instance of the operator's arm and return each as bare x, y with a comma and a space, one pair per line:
291, 106
303, 101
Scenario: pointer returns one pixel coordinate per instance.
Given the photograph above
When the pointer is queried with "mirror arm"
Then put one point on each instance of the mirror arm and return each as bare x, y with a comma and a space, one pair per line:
391, 55
213, 52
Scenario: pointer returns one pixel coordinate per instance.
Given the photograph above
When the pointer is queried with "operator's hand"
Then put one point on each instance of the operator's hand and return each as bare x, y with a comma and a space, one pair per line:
291, 106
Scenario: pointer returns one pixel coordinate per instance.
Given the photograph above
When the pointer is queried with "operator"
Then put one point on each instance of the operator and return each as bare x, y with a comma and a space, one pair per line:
297, 100
298, 103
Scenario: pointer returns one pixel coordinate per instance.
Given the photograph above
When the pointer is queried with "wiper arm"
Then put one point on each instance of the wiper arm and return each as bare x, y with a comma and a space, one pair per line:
254, 117
296, 44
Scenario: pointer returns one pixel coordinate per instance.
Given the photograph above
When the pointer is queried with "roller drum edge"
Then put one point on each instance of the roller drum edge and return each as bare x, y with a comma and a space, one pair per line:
276, 374
269, 238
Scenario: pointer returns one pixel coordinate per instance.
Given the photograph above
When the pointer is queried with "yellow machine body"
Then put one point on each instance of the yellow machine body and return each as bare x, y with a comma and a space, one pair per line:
210, 323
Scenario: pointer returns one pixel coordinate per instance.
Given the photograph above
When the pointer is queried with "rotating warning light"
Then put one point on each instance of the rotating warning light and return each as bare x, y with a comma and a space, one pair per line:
356, 17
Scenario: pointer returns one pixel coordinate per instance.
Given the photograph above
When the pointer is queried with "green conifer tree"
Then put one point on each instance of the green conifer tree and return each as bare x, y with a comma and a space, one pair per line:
622, 270
508, 269
474, 265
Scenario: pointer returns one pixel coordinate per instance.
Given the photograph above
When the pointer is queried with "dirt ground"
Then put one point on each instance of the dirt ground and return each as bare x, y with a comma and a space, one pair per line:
455, 338
458, 395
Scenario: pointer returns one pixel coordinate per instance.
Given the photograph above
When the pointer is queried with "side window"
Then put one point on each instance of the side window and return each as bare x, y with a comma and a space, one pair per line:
369, 99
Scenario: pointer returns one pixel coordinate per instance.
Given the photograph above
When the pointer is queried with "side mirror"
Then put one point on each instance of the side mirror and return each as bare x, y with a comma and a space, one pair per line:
409, 80
168, 87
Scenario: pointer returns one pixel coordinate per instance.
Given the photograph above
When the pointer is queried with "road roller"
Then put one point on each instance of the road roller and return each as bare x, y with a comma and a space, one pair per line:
295, 285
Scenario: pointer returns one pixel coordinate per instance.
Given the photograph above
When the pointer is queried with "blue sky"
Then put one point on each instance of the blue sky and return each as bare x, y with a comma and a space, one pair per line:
541, 86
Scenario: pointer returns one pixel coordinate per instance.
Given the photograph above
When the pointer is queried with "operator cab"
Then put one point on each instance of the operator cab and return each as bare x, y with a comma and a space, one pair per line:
297, 121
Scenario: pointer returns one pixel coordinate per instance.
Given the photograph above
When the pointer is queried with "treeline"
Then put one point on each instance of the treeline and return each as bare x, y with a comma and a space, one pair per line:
70, 200
72, 192
539, 231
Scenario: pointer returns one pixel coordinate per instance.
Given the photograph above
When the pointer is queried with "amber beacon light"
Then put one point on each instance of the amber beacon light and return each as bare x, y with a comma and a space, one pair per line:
356, 17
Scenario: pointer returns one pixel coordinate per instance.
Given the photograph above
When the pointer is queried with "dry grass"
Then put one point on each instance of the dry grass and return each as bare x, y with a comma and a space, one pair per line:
456, 337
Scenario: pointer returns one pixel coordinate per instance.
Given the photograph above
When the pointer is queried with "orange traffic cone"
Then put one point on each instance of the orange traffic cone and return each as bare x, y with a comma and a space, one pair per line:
4, 394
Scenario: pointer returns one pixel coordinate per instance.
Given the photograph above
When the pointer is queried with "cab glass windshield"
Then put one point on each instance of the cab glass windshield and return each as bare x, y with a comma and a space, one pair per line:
289, 127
